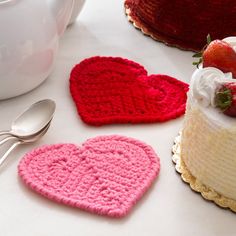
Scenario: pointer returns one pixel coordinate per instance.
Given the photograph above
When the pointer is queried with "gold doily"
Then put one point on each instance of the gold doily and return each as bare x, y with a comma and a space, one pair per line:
206, 192
147, 32
139, 26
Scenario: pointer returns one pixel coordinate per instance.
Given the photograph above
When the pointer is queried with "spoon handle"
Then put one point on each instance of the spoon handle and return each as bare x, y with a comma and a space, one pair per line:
4, 133
13, 146
7, 139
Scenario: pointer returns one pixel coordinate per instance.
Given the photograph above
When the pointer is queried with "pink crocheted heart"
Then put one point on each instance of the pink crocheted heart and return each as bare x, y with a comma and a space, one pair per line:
107, 175
115, 90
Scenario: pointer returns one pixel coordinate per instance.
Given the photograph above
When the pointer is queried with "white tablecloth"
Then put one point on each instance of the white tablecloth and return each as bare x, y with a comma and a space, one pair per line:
170, 207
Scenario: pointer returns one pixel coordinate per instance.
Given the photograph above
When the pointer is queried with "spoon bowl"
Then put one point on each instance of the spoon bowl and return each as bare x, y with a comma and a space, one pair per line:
36, 137
25, 141
33, 120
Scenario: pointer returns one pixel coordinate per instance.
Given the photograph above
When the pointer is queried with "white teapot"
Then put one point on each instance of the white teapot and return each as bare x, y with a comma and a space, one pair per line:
29, 38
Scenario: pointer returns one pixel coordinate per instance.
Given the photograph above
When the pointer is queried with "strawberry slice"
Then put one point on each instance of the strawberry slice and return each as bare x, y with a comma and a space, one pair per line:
221, 55
225, 99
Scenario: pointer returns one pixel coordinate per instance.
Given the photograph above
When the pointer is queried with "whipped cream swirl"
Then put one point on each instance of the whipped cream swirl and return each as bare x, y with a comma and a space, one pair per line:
205, 83
231, 41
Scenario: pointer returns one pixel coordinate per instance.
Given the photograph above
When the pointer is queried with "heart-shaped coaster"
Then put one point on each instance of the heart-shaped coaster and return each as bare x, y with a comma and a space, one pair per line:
115, 90
107, 175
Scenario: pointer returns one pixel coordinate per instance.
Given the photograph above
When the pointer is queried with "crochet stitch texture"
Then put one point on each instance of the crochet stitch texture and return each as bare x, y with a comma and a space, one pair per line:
107, 175
115, 90
184, 23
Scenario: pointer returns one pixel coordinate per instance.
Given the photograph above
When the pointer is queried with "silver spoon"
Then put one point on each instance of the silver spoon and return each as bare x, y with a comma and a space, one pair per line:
10, 137
25, 141
32, 120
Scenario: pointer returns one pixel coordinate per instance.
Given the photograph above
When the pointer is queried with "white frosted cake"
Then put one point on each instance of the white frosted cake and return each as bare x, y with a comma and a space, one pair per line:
208, 142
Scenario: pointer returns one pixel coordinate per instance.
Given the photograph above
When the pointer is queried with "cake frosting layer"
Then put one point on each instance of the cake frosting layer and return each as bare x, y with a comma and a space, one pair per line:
184, 23
208, 139
209, 151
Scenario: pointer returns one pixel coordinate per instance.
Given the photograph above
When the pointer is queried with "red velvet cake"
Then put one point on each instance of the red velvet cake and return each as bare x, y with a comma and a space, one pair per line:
184, 23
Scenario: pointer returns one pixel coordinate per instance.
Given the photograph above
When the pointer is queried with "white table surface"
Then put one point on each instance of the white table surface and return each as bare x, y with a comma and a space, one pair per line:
170, 207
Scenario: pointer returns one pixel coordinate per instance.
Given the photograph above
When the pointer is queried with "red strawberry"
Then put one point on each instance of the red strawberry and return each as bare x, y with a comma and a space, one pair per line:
226, 99
221, 55
218, 54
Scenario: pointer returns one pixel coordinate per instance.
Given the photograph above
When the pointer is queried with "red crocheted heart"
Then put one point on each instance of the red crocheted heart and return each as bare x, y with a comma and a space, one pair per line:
115, 90
107, 175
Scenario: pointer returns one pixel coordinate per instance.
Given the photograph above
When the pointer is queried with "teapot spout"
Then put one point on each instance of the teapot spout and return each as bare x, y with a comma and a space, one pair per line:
61, 10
